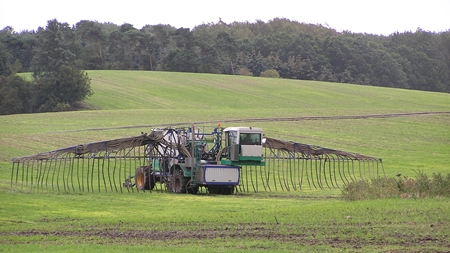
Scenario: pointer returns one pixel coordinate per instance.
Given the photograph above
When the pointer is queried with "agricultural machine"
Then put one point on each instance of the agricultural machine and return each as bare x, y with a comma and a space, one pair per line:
184, 160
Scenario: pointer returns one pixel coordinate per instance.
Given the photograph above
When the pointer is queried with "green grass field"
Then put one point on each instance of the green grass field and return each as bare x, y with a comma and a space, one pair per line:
131, 102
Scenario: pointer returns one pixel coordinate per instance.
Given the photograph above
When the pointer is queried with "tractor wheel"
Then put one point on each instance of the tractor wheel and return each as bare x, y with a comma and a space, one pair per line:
179, 182
225, 190
228, 190
191, 189
214, 189
143, 178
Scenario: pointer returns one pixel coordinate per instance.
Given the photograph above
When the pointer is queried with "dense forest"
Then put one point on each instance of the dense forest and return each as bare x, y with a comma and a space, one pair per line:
58, 54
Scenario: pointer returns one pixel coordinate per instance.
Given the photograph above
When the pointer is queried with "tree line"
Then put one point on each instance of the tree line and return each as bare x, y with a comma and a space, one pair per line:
58, 54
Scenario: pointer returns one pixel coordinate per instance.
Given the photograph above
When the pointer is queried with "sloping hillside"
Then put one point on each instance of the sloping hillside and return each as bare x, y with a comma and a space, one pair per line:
132, 102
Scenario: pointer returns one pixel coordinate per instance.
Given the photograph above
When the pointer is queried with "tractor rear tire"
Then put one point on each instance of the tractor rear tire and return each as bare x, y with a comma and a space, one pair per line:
179, 182
143, 178
224, 190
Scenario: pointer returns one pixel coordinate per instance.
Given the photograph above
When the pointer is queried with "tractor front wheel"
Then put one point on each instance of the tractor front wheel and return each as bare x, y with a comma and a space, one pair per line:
191, 188
143, 178
179, 182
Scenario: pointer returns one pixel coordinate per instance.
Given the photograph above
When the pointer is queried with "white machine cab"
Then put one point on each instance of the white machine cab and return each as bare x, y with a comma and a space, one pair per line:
244, 145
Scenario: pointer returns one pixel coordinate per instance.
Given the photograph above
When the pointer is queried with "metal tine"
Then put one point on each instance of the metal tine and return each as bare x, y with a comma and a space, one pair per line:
283, 169
103, 174
368, 169
250, 172
365, 169
119, 159
38, 177
246, 181
26, 175
98, 174
48, 173
280, 171
66, 174
336, 164
257, 168
342, 168
80, 179
301, 174
70, 185
311, 171
372, 162
72, 171
371, 169
342, 161
255, 180
91, 181
325, 170
305, 168
300, 163
286, 170
88, 168
83, 167
318, 163
375, 166
17, 174
266, 178
294, 161
349, 172
273, 174
22, 174
292, 171
130, 166
332, 171
266, 169
240, 187
382, 167
56, 172
12, 175
352, 162
262, 172
249, 177
339, 170
108, 161
32, 172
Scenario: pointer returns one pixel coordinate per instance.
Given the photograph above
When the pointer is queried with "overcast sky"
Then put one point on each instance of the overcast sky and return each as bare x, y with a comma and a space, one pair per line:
360, 16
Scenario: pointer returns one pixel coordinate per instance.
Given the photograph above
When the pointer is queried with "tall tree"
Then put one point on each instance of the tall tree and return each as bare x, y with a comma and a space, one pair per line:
163, 40
53, 49
59, 84
15, 95
184, 57
5, 65
93, 39
227, 46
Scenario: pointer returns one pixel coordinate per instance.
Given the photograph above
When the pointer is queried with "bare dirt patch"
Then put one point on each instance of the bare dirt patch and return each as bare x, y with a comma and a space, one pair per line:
309, 236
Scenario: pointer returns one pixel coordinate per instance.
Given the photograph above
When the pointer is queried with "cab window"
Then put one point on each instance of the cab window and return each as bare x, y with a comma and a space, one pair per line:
250, 139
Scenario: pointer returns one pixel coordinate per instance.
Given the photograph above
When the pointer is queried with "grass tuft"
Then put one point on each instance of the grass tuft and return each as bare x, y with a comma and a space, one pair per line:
400, 187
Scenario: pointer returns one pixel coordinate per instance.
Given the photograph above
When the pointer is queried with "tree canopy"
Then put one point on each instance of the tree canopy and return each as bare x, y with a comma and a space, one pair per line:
57, 82
288, 49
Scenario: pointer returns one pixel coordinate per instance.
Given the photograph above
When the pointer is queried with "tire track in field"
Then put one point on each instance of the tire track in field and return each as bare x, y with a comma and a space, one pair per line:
299, 118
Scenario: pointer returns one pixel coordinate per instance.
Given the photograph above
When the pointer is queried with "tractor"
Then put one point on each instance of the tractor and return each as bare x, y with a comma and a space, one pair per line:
183, 161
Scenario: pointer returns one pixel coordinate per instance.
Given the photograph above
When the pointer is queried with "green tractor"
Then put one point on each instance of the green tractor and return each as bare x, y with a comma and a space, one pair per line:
183, 161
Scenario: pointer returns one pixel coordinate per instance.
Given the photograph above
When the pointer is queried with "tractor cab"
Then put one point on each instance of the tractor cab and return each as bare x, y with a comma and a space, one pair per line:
243, 146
